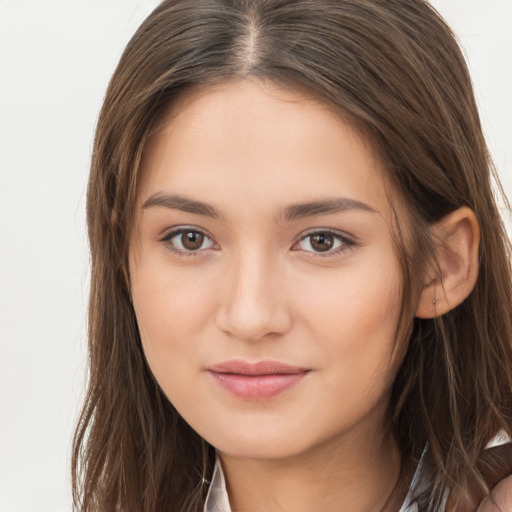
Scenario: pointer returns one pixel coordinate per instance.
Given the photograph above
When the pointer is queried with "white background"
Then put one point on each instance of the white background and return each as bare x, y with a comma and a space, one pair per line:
56, 57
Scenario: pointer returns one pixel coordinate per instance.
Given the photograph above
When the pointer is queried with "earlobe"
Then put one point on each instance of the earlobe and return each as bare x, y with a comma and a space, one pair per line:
457, 238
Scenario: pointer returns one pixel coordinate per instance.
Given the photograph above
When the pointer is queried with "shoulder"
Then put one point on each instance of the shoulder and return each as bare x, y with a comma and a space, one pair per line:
499, 480
499, 499
497, 473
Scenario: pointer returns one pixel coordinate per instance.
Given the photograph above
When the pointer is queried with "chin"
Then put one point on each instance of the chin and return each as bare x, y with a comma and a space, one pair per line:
256, 452
260, 446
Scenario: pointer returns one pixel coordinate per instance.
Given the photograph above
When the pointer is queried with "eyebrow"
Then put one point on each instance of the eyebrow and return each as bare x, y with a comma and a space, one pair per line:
323, 207
175, 202
288, 214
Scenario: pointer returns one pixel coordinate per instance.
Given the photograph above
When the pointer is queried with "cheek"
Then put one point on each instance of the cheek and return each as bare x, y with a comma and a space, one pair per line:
355, 313
171, 310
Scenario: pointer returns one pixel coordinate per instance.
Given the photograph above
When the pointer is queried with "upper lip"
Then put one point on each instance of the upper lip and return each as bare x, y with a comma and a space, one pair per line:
238, 366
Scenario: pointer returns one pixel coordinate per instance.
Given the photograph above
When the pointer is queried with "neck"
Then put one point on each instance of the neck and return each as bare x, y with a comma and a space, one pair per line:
348, 473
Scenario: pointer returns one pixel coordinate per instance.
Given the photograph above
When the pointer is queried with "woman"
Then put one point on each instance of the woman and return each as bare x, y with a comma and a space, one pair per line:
301, 287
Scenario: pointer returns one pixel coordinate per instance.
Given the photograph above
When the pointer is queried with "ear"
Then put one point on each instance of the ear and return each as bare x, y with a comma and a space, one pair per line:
451, 280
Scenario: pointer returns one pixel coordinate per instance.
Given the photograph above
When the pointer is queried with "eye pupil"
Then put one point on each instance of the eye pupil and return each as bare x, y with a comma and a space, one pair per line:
192, 240
322, 242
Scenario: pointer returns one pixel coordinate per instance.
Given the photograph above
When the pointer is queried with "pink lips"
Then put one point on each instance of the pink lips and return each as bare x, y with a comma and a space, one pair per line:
256, 381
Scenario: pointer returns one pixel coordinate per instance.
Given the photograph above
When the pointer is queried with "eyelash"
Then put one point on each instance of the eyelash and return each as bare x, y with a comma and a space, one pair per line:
173, 234
345, 242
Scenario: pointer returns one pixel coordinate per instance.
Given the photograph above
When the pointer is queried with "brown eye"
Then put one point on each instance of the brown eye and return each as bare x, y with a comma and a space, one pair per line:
326, 242
192, 240
188, 241
322, 242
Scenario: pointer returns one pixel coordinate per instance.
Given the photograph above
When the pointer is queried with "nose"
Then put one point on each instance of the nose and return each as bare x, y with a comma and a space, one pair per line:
254, 303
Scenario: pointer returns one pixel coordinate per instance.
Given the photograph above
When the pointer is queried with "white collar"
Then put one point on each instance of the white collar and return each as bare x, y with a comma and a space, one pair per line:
217, 498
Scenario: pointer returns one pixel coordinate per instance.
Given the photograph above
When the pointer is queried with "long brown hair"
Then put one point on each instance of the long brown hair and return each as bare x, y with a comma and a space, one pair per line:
393, 68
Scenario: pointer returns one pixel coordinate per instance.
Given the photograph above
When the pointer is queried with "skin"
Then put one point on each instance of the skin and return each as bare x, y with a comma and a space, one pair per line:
500, 499
257, 289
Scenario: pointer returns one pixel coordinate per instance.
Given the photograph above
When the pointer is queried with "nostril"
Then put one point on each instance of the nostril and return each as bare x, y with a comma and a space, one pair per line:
251, 304
253, 322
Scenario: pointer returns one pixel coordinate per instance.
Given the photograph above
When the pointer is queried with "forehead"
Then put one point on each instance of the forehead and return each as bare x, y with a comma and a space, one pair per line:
260, 142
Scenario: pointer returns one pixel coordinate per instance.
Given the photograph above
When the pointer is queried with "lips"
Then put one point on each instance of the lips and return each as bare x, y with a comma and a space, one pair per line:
256, 381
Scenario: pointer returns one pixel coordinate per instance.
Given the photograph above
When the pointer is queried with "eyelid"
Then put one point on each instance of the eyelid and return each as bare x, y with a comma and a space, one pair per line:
177, 230
347, 241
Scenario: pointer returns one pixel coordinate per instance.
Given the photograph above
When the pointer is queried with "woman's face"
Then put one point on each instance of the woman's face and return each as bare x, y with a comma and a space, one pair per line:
264, 280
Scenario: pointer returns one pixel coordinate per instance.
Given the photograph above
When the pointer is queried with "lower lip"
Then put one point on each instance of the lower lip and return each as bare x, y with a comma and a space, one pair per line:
257, 387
